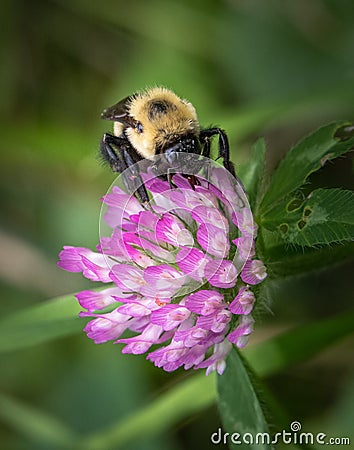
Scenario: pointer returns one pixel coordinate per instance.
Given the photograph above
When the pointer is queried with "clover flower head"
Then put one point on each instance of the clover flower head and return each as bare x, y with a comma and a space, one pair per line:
181, 269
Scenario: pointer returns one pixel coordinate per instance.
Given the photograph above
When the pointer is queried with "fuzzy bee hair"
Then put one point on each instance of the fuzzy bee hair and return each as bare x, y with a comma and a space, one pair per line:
164, 117
157, 122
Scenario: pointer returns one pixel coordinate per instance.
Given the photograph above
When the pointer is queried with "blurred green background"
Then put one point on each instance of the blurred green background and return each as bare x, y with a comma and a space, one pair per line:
277, 69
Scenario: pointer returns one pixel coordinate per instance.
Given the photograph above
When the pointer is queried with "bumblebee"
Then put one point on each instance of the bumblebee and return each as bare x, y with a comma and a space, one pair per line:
157, 122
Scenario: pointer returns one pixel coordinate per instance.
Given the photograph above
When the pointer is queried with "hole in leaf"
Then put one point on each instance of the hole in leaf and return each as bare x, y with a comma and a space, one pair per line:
344, 133
283, 228
307, 211
295, 203
301, 224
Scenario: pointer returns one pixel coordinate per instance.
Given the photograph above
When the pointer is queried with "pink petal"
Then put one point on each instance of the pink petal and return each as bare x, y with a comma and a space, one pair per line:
120, 199
221, 273
147, 243
217, 360
163, 275
213, 240
145, 219
204, 302
216, 323
245, 246
92, 300
210, 215
106, 326
169, 316
243, 302
192, 336
156, 185
79, 259
194, 356
189, 199
170, 229
168, 356
162, 280
192, 262
70, 258
244, 328
243, 219
253, 272
127, 277
134, 309
141, 343
120, 206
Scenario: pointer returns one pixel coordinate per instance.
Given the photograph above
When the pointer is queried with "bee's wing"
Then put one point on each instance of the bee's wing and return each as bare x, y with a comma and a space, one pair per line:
119, 112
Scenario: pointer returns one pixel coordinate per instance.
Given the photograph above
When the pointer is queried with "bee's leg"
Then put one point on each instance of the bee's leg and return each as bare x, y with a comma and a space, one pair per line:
224, 150
110, 156
121, 157
206, 146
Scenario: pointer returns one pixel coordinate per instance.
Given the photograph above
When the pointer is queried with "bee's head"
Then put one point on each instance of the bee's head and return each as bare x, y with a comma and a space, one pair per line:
161, 121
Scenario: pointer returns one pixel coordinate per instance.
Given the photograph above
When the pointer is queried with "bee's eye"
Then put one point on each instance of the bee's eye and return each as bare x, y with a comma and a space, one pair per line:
139, 128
